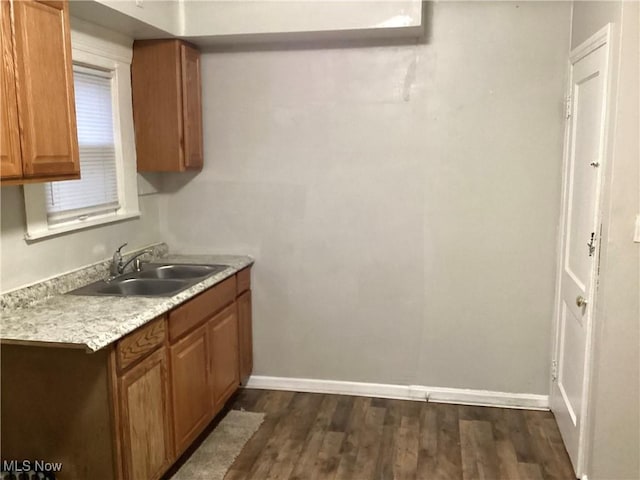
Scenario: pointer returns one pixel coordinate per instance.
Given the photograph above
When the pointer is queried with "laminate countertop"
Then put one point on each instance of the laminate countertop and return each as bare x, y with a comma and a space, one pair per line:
93, 322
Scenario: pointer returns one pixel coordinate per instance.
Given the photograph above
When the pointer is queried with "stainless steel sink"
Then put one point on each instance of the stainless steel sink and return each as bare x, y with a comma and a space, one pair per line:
155, 280
142, 286
176, 271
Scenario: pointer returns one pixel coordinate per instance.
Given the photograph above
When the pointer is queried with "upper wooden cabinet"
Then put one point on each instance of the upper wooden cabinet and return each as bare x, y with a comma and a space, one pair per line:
10, 160
167, 106
39, 137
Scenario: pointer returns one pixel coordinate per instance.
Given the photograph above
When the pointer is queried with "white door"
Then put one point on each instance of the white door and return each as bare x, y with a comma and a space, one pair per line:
584, 157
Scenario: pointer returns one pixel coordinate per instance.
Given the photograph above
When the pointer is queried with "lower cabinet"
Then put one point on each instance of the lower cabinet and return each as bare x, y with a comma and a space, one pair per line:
245, 335
169, 397
190, 387
128, 411
204, 366
223, 356
145, 425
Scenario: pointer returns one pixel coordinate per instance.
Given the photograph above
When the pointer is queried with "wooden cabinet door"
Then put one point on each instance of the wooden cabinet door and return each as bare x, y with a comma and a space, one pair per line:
245, 336
191, 107
190, 386
223, 355
157, 105
10, 158
44, 79
145, 420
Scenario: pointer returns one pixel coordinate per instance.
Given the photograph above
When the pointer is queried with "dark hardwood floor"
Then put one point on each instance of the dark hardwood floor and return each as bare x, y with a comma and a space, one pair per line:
309, 436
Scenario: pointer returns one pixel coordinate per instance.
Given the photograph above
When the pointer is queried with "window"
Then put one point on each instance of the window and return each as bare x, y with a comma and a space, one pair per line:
96, 192
107, 189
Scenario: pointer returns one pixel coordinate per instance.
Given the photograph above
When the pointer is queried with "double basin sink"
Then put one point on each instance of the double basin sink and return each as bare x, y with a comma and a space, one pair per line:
154, 280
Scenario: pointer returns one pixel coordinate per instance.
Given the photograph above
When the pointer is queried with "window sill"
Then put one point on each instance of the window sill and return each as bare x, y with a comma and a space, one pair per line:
78, 225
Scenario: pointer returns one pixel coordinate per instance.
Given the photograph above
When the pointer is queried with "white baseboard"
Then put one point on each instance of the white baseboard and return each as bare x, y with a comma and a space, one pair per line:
460, 396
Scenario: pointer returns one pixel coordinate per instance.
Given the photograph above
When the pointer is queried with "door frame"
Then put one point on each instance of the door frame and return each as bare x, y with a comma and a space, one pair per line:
601, 39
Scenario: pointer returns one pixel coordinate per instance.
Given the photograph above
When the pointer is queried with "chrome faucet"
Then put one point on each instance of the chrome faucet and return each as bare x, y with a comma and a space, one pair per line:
118, 266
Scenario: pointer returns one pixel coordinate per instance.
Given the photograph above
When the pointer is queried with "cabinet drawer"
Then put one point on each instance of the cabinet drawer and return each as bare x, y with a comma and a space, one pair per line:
190, 314
244, 280
138, 344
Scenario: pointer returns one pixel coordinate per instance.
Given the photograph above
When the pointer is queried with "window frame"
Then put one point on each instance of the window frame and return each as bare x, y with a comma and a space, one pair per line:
93, 52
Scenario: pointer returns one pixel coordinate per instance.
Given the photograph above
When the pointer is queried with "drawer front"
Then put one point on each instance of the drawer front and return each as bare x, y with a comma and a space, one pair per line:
138, 344
192, 313
244, 280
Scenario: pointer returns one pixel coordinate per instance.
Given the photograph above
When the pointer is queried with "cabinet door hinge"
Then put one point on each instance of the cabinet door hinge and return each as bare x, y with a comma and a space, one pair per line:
568, 106
554, 371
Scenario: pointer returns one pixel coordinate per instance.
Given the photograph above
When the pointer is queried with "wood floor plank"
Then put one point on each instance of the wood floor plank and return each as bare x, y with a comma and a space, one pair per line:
290, 438
335, 437
547, 457
233, 474
355, 426
529, 471
507, 460
467, 412
342, 413
329, 456
370, 443
384, 463
405, 463
467, 449
557, 449
486, 454
499, 423
410, 408
428, 447
479, 457
290, 427
246, 399
305, 467
519, 435
305, 464
273, 403
538, 441
253, 448
449, 457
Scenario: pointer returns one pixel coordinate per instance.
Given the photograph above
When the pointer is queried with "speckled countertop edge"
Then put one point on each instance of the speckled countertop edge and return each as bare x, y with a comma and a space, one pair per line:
97, 321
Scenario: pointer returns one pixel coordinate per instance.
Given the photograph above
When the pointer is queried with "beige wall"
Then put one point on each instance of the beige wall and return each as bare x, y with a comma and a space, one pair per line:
402, 201
615, 396
24, 264
588, 17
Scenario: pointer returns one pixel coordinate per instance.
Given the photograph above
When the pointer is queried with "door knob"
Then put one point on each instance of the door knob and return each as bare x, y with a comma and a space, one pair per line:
581, 301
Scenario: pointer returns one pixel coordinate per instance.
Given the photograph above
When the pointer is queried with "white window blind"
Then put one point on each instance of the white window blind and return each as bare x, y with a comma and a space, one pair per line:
96, 193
